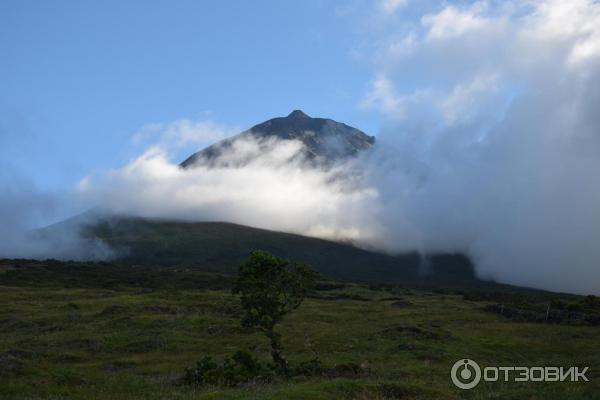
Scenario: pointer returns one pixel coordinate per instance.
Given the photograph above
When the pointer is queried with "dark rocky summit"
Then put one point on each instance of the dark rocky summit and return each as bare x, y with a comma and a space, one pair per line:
324, 140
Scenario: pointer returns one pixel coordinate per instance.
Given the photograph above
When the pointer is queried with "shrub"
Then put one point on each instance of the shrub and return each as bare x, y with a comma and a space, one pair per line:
558, 304
271, 287
239, 369
307, 368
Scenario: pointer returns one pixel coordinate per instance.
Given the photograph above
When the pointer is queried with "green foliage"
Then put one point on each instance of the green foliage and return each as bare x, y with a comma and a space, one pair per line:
558, 304
312, 367
241, 368
271, 287
89, 274
591, 302
575, 307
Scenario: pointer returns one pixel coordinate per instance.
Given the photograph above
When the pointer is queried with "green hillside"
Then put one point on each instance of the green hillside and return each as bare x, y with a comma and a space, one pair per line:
221, 247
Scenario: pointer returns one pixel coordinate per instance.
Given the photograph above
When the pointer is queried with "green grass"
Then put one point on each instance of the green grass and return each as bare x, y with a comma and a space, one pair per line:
127, 341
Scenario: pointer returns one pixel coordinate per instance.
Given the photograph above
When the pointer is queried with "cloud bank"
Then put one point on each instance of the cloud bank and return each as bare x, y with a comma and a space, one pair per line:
259, 182
491, 109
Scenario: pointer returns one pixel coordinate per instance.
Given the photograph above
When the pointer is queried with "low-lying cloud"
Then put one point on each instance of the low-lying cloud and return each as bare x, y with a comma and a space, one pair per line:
259, 182
24, 207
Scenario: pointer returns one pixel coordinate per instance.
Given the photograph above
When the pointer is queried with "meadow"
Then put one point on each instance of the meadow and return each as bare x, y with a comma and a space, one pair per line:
67, 334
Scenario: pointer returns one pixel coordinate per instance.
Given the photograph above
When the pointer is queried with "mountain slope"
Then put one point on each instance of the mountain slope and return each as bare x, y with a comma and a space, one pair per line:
221, 247
325, 140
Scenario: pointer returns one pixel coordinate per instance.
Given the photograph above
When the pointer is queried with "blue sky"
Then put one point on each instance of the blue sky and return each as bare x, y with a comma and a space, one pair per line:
79, 78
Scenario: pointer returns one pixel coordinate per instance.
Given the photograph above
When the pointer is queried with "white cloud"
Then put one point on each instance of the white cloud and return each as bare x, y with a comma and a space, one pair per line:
391, 6
273, 189
465, 99
383, 97
500, 158
184, 132
575, 23
451, 22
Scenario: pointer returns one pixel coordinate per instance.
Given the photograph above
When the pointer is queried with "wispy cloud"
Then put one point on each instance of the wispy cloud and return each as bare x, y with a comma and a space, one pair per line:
391, 6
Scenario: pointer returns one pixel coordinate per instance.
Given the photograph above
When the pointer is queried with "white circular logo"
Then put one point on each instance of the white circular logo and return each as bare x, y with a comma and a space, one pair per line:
465, 373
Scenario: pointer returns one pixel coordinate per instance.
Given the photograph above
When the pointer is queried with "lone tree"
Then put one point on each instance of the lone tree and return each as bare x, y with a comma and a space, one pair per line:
269, 288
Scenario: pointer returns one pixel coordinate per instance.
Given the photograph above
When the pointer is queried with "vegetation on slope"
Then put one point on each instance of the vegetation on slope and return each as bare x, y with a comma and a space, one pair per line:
221, 247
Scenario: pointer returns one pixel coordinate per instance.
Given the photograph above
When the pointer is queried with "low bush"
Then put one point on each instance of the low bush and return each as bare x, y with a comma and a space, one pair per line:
307, 368
239, 369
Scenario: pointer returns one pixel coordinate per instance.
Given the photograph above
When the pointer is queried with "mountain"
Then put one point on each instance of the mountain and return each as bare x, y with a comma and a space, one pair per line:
325, 140
221, 247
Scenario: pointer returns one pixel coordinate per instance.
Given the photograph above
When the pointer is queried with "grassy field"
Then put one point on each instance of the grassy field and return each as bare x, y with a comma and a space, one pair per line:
129, 338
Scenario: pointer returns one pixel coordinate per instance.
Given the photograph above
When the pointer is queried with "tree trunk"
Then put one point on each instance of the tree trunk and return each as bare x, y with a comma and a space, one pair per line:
276, 353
